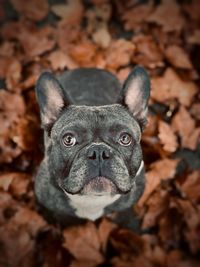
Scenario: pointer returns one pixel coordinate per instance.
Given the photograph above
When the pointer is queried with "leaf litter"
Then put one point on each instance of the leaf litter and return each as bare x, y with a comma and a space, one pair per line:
115, 35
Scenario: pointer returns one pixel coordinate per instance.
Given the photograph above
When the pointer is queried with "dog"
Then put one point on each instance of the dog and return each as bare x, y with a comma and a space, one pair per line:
93, 163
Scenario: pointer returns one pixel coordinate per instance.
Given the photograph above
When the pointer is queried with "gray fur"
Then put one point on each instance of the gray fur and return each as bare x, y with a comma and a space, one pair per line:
92, 114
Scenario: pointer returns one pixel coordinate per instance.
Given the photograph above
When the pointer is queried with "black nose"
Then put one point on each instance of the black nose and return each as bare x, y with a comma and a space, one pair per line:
98, 153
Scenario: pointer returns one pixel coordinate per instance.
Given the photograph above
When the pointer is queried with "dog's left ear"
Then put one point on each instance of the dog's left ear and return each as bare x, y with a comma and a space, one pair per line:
135, 94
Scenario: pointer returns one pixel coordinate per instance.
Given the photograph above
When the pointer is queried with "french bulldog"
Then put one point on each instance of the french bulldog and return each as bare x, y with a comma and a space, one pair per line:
93, 163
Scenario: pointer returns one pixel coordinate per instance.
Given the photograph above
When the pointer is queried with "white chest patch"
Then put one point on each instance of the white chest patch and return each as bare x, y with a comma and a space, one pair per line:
91, 207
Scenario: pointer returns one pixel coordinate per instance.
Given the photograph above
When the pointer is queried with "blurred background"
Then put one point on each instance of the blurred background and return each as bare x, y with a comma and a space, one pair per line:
164, 37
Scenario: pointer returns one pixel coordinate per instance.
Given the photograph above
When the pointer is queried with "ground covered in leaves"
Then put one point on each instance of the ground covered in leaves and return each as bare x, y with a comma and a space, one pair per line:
164, 37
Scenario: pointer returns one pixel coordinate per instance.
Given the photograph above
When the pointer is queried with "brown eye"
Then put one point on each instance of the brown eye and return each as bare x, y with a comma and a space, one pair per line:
69, 140
125, 139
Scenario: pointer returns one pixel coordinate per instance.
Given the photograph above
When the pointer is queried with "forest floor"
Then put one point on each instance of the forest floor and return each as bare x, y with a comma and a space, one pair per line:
164, 37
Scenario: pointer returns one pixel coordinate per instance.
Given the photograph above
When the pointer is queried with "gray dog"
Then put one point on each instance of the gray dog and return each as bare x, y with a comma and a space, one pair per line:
93, 162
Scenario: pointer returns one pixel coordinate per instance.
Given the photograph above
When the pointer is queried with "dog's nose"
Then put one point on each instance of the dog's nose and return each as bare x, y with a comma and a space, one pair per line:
98, 153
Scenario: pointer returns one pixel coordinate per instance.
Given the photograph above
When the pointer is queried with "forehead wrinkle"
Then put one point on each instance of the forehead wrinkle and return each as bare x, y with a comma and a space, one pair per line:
90, 117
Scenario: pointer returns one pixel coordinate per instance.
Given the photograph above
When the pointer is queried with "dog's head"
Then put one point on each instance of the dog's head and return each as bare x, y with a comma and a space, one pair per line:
94, 150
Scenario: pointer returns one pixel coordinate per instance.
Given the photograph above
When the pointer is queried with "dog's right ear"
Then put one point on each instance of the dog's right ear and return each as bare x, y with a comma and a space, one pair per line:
50, 98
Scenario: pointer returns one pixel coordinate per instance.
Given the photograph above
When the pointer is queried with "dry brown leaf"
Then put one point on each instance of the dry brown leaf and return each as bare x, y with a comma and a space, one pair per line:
29, 219
83, 264
5, 181
12, 106
119, 53
7, 49
24, 132
83, 243
147, 52
123, 73
72, 12
127, 242
32, 9
29, 37
134, 262
104, 231
102, 37
178, 57
171, 86
19, 184
191, 186
195, 110
167, 137
83, 52
184, 125
168, 15
157, 205
192, 218
135, 16
160, 170
60, 60
192, 8
11, 70
15, 182
17, 238
16, 247
194, 38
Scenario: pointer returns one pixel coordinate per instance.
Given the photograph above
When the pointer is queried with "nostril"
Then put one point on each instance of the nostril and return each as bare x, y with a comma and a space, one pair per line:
105, 155
92, 155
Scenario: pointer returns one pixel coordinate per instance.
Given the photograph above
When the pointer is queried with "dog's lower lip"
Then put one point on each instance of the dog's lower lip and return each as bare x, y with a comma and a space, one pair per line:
81, 190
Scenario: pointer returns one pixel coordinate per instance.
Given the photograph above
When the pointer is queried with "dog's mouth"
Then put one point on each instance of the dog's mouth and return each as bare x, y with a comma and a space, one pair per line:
97, 186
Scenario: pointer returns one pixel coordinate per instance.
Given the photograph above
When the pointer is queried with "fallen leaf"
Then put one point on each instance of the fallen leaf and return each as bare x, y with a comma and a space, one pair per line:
16, 247
119, 53
102, 37
72, 12
163, 169
195, 110
171, 86
5, 181
194, 38
11, 70
167, 137
60, 60
29, 37
83, 243
19, 184
83, 52
126, 242
157, 205
136, 262
191, 186
147, 52
33, 9
12, 106
168, 9
83, 264
192, 8
135, 16
178, 57
184, 125
104, 231
29, 219
123, 73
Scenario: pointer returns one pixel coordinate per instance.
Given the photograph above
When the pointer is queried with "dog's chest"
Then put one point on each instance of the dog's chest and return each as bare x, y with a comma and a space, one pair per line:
91, 207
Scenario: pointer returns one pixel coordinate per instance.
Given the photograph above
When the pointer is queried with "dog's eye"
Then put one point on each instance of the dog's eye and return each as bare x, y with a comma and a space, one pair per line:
125, 139
69, 140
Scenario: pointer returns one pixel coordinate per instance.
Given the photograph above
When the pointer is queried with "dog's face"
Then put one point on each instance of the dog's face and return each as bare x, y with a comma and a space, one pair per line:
94, 150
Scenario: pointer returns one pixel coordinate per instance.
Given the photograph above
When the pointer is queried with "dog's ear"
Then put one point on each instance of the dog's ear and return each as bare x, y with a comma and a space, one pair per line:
50, 98
135, 94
